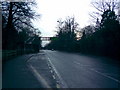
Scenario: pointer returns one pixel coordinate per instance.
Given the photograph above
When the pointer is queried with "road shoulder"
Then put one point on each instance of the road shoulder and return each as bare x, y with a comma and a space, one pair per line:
17, 73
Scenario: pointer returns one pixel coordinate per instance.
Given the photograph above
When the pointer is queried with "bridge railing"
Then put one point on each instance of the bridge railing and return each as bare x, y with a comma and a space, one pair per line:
48, 38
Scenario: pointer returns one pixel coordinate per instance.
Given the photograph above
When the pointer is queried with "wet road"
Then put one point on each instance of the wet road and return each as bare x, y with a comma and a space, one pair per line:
27, 71
80, 71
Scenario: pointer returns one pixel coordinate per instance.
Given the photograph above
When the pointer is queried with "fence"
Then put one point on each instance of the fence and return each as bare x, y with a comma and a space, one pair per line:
7, 54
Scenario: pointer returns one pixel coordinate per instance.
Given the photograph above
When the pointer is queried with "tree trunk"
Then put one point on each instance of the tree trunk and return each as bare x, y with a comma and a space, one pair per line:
10, 17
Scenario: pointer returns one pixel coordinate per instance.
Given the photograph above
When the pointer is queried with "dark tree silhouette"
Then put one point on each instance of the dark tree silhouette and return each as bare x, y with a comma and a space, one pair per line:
16, 18
101, 6
98, 40
105, 40
66, 35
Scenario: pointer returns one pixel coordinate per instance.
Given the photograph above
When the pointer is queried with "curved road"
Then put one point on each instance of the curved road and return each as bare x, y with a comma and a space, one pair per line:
80, 71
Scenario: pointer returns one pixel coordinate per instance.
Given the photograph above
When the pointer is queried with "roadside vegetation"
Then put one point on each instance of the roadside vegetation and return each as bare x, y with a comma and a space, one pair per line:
103, 38
18, 34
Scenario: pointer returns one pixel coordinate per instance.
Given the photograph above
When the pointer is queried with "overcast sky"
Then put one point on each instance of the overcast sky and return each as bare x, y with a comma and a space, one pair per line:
52, 10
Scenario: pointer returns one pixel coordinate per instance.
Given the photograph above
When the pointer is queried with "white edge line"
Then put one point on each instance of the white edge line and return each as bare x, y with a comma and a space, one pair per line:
64, 85
105, 75
99, 73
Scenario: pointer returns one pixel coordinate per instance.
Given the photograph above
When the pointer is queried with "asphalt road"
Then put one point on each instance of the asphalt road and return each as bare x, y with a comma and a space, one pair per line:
27, 71
16, 74
81, 71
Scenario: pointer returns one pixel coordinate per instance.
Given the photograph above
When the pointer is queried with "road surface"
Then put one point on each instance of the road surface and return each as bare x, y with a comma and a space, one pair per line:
80, 71
27, 71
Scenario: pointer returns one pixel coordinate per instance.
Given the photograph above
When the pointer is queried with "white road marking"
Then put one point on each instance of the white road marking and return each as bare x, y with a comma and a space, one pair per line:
77, 63
53, 76
49, 67
82, 65
97, 72
51, 71
62, 82
112, 78
38, 76
105, 75
57, 85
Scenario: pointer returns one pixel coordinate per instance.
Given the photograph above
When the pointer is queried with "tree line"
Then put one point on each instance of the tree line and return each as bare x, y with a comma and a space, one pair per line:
17, 28
100, 39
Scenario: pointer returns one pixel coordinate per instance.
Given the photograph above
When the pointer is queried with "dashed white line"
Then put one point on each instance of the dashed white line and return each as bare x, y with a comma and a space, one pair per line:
98, 72
64, 85
77, 63
53, 76
82, 65
105, 75
51, 71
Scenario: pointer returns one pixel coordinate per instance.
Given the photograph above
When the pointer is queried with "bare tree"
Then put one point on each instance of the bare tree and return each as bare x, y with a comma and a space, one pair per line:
18, 14
16, 17
103, 5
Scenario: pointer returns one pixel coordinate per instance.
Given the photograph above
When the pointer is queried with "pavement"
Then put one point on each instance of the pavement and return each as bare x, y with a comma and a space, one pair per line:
83, 71
28, 71
55, 69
